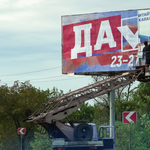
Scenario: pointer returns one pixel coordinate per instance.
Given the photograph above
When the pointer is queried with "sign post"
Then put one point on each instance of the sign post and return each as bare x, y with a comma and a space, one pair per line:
21, 131
129, 117
130, 136
21, 141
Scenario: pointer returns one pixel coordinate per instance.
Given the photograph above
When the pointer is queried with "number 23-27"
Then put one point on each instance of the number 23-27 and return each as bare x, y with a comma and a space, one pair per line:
119, 59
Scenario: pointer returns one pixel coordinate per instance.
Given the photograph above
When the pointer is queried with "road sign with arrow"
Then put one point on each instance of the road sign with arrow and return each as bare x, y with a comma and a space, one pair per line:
21, 131
129, 117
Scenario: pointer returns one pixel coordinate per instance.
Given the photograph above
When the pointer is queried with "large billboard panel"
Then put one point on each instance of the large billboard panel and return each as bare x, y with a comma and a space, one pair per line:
102, 42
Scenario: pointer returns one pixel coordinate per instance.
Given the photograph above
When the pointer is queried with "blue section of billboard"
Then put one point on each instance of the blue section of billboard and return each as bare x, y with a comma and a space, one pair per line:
124, 14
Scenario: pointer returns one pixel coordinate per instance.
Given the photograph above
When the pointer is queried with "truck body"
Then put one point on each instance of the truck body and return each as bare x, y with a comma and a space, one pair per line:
61, 144
86, 137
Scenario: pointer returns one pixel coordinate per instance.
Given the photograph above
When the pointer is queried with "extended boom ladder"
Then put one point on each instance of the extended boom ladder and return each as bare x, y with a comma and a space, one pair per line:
59, 108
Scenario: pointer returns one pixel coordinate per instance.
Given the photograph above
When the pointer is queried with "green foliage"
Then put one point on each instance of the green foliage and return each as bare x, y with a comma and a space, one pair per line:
101, 115
123, 105
122, 136
142, 98
41, 140
138, 133
139, 100
86, 112
128, 99
16, 103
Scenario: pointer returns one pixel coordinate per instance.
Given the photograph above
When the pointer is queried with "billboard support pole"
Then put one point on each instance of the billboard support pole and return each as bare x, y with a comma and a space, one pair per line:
112, 112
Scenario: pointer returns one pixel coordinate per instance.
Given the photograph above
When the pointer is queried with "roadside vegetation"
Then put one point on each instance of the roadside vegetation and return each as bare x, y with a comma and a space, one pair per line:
22, 99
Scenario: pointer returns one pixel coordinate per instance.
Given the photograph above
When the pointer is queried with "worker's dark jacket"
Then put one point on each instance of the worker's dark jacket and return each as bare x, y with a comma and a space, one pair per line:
146, 51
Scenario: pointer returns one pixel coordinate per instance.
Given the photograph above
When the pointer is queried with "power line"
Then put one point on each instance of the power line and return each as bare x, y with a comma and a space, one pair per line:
46, 80
31, 80
30, 72
36, 78
56, 80
46, 77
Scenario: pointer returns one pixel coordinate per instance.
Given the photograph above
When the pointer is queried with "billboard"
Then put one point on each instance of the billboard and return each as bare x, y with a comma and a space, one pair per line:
103, 42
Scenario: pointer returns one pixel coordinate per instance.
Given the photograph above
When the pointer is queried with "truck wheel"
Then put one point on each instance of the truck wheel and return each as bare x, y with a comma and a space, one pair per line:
83, 132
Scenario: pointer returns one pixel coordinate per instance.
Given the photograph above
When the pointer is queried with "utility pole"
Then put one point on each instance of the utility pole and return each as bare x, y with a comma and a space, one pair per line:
112, 112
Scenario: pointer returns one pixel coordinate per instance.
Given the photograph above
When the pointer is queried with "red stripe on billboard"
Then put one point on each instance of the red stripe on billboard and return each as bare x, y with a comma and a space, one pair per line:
96, 27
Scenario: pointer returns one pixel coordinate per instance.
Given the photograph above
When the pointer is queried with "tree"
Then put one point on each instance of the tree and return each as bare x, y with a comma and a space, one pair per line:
140, 133
142, 98
41, 140
86, 112
121, 136
122, 99
137, 133
139, 100
16, 103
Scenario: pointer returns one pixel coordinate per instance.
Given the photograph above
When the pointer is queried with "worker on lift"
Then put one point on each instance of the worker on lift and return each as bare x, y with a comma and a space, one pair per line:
146, 52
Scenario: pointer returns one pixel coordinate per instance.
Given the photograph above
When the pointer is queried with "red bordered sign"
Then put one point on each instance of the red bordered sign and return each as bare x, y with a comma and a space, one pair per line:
21, 131
129, 117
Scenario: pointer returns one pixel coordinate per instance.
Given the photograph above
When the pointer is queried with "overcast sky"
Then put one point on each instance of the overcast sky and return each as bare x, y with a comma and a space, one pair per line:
30, 39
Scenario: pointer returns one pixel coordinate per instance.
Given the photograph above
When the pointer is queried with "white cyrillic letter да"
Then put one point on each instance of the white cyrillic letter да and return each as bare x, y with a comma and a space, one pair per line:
87, 41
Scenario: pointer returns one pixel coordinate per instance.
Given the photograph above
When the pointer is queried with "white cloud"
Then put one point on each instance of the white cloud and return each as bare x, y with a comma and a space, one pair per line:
23, 3
7, 18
